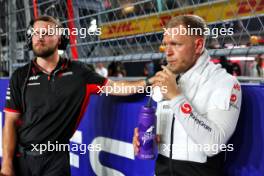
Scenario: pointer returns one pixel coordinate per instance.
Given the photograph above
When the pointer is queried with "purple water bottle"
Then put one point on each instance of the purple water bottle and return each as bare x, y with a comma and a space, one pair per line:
147, 133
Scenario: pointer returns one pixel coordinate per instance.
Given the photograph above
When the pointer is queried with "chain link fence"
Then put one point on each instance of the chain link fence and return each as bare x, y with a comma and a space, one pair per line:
131, 30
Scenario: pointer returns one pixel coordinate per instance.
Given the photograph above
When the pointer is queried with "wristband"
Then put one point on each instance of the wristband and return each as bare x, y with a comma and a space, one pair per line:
147, 81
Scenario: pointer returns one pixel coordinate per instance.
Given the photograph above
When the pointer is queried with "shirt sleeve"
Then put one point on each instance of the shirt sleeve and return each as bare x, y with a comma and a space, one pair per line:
215, 127
94, 80
13, 95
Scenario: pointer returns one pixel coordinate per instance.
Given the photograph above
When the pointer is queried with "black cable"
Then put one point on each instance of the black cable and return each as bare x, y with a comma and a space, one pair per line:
171, 145
149, 103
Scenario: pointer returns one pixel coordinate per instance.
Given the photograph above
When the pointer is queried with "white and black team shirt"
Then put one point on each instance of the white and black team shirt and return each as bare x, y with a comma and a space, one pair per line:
205, 114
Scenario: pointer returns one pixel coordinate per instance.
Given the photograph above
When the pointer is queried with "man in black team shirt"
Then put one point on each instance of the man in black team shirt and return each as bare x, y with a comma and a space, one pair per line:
45, 101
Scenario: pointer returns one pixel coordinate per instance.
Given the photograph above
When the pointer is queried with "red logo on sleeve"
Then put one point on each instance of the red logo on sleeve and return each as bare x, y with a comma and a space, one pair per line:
236, 87
186, 108
233, 98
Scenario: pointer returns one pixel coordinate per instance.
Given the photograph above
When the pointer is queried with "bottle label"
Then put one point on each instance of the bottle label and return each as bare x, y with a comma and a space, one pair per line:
148, 135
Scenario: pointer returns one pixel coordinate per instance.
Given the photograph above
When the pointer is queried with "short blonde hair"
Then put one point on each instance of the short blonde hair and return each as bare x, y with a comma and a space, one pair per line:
191, 21
47, 18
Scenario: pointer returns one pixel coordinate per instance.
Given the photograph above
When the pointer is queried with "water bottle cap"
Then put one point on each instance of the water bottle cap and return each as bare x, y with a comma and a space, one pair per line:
157, 95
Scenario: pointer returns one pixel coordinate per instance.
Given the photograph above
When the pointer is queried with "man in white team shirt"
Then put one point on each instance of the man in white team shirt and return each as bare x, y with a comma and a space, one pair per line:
200, 109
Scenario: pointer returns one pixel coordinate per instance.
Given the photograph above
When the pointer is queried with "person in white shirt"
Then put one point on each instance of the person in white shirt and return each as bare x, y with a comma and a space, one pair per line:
199, 111
101, 70
257, 69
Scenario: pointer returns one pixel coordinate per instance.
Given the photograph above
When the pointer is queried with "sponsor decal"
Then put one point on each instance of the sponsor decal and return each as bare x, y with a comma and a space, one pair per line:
32, 78
155, 23
67, 73
186, 108
233, 101
200, 122
149, 134
233, 98
33, 84
166, 107
236, 87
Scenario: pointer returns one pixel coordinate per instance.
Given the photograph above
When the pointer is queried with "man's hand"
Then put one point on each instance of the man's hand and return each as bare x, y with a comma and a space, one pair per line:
136, 143
168, 79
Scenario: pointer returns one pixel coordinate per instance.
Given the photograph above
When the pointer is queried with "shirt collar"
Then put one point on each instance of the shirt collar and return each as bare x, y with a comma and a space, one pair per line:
62, 64
197, 69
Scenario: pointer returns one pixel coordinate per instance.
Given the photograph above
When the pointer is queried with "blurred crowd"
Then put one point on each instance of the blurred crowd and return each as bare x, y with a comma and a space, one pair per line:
252, 68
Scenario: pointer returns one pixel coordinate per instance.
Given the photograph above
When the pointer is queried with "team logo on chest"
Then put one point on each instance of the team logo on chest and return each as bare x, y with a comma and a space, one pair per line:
33, 78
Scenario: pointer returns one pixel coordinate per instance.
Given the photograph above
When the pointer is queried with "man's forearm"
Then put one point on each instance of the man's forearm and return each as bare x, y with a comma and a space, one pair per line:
9, 142
9, 145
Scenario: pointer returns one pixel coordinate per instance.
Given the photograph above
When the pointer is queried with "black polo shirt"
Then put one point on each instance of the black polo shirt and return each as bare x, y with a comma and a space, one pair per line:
54, 103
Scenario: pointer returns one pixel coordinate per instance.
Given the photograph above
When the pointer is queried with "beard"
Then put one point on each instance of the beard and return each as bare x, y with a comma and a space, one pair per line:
44, 52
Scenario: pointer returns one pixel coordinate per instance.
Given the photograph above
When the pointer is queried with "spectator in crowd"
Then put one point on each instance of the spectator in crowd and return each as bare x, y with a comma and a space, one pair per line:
101, 70
226, 65
236, 69
257, 69
149, 69
231, 68
116, 69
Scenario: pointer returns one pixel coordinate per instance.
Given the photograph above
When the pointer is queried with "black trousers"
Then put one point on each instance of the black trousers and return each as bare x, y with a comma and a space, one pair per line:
47, 164
167, 167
